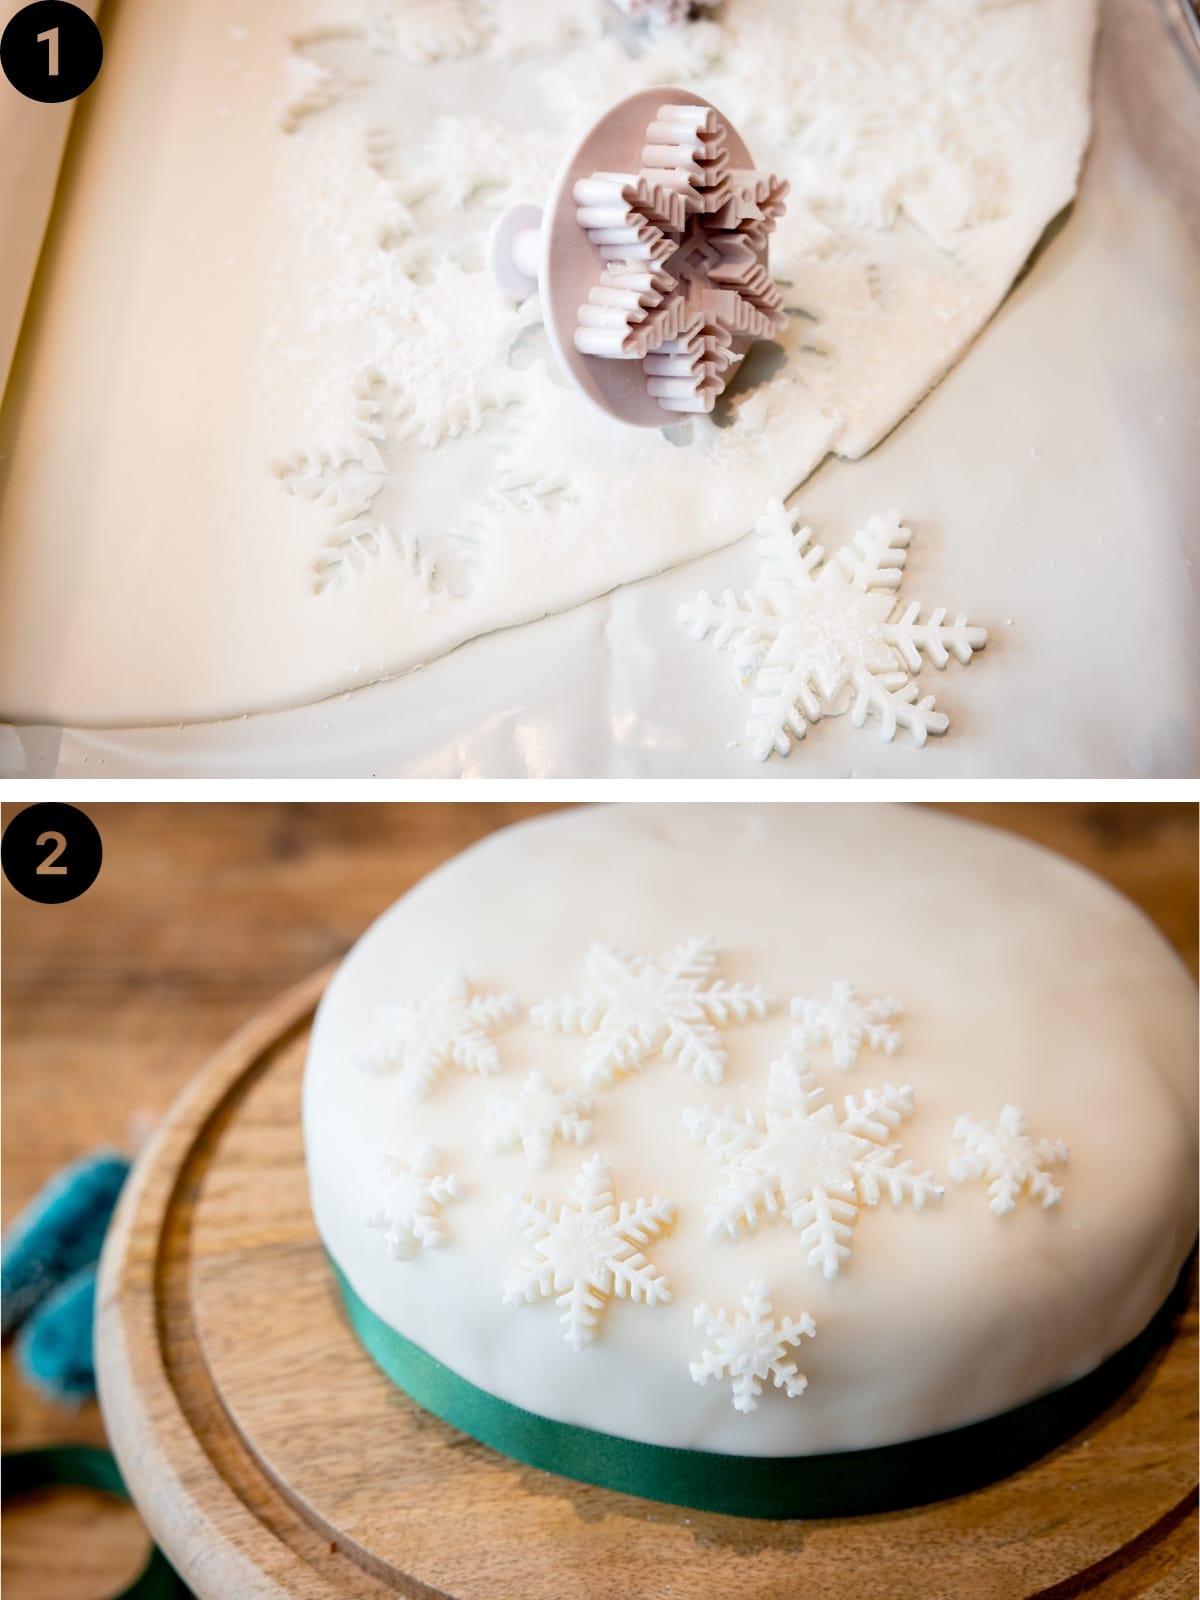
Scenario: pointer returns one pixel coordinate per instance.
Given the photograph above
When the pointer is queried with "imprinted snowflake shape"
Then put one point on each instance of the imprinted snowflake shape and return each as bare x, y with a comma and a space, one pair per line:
643, 1005
587, 1251
1013, 1163
816, 638
416, 1195
846, 1023
421, 1038
535, 1118
683, 286
751, 1347
803, 1165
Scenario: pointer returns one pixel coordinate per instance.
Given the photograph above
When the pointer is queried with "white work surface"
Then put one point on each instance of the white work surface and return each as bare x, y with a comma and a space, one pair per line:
1053, 486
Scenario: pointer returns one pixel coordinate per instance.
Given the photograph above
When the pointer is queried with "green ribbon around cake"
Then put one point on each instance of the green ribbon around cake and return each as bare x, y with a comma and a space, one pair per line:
845, 1483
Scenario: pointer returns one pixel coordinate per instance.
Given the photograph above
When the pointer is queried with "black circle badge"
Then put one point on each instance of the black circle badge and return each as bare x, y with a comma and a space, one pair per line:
51, 51
51, 853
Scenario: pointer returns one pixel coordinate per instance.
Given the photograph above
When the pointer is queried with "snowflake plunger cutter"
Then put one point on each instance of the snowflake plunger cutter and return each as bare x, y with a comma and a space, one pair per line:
803, 1165
1013, 1163
587, 1250
416, 1195
653, 276
815, 638
640, 1005
423, 1037
751, 1347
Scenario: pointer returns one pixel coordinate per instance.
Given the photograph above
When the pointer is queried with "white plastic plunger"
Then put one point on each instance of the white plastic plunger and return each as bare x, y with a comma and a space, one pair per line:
650, 257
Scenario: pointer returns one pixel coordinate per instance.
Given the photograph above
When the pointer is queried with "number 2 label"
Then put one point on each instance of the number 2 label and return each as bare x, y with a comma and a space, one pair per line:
47, 866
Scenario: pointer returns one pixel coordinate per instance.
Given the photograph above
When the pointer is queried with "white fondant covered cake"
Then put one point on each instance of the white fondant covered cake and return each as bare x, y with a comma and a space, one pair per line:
757, 1131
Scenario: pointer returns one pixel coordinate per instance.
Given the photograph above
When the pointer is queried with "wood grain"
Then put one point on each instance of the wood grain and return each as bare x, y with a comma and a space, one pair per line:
203, 913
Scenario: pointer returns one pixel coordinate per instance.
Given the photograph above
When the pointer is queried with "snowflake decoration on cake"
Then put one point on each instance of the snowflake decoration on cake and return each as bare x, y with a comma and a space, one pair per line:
642, 1005
536, 1117
451, 1026
410, 1213
683, 285
751, 1347
587, 1250
846, 1023
815, 638
1012, 1162
800, 1163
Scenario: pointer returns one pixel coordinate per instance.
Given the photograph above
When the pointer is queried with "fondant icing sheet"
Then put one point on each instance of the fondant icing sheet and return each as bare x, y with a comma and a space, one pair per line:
271, 435
1061, 512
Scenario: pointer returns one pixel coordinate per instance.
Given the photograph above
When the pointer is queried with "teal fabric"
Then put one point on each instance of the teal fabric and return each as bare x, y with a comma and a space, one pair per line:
83, 1466
54, 1348
833, 1485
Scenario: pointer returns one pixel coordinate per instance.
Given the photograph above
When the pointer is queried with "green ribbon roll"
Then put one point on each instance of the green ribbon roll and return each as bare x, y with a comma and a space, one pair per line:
83, 1466
845, 1483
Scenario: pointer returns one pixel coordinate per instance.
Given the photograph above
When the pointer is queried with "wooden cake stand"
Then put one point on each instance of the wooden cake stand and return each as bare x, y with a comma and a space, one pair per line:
271, 1458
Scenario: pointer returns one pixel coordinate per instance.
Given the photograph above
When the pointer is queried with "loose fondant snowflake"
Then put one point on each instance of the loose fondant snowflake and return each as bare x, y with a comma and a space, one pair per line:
587, 1250
751, 1347
682, 285
803, 1165
421, 1038
535, 1118
415, 1196
1013, 1163
846, 1023
640, 1005
815, 638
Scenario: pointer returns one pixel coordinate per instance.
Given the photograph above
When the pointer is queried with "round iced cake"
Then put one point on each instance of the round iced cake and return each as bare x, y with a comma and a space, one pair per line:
762, 1132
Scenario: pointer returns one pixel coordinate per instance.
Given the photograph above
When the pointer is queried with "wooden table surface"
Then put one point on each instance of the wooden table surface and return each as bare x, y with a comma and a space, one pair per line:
201, 914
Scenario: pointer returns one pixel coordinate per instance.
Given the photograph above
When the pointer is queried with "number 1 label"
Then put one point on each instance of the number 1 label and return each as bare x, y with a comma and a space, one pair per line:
50, 37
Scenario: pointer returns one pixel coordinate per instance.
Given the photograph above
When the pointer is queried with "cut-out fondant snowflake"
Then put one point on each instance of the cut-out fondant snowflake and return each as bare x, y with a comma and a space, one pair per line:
410, 1212
586, 1250
421, 1038
1012, 1163
536, 1117
846, 1023
682, 285
639, 1005
800, 1163
751, 1347
815, 638
352, 478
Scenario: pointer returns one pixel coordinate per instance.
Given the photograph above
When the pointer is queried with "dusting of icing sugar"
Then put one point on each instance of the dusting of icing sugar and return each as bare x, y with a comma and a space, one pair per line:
423, 32
414, 1194
1010, 1161
751, 1348
846, 1023
534, 1118
450, 1026
799, 1163
639, 1006
587, 1250
815, 638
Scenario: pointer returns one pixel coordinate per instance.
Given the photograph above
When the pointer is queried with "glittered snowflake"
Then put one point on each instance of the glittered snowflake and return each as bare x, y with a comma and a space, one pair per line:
638, 1006
1009, 1160
451, 1026
751, 1347
846, 1023
586, 1250
815, 638
682, 284
535, 1117
410, 1210
800, 1163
